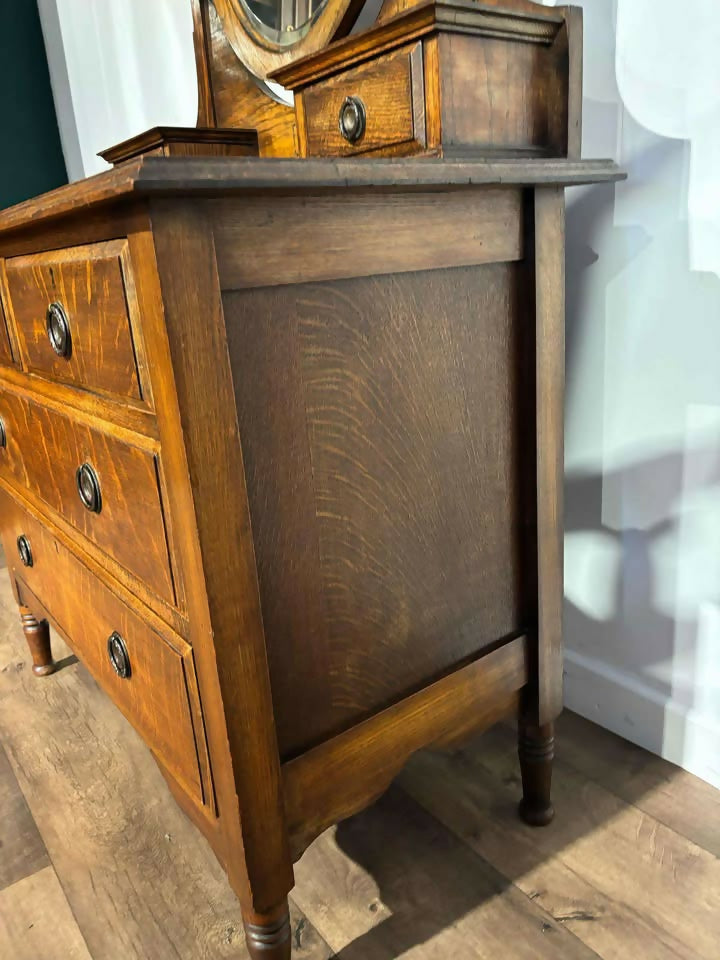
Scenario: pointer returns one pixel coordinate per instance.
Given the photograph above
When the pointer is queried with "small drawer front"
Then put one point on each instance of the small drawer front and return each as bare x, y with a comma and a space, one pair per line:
105, 487
70, 309
151, 677
379, 106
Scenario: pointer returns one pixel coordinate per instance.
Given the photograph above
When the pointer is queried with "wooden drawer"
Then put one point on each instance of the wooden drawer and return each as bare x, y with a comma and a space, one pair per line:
43, 451
160, 695
92, 286
390, 90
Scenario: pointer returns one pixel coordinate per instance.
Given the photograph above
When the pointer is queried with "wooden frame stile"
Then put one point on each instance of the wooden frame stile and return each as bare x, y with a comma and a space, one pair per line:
544, 700
201, 39
223, 594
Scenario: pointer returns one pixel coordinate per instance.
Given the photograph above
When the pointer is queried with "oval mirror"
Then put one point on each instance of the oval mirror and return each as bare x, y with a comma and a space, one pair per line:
268, 34
283, 21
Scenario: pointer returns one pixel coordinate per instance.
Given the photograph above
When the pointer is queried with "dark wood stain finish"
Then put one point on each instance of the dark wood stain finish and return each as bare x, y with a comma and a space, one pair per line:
383, 508
322, 400
497, 82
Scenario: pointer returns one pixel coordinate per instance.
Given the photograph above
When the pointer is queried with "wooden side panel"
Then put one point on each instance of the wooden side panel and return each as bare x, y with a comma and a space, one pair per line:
502, 96
90, 284
573, 37
43, 452
550, 383
314, 237
377, 418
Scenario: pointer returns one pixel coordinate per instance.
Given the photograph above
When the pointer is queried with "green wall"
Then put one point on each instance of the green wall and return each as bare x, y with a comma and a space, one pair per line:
31, 159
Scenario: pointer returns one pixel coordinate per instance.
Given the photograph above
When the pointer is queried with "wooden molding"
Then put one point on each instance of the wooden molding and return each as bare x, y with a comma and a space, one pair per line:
318, 792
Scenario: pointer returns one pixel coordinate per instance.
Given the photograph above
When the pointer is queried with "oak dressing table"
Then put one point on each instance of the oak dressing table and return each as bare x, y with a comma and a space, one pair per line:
281, 405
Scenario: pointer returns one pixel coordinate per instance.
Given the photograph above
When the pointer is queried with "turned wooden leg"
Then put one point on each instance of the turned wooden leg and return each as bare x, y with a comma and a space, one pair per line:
268, 936
37, 634
536, 748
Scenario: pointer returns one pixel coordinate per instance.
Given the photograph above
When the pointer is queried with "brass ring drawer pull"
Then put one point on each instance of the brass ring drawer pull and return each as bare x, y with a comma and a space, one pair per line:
24, 550
58, 329
352, 119
119, 657
88, 487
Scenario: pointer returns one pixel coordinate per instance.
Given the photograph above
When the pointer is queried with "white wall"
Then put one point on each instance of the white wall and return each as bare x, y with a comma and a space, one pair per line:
643, 402
117, 67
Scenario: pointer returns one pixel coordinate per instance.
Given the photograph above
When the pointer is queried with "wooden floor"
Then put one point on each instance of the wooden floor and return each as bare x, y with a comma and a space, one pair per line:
97, 862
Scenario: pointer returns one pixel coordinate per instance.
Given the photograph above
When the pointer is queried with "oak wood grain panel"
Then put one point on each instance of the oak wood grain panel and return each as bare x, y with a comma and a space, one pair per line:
344, 774
377, 423
385, 87
22, 850
157, 696
43, 451
362, 235
550, 384
90, 282
491, 95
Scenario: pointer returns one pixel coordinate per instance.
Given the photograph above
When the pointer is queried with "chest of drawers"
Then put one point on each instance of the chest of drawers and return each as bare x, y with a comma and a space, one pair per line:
281, 458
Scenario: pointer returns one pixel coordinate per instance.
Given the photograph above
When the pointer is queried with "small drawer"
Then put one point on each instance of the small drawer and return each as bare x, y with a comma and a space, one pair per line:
149, 675
70, 309
378, 106
105, 487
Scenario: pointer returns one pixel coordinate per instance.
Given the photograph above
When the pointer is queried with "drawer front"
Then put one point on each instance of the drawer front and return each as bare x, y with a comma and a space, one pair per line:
159, 695
43, 451
391, 97
86, 289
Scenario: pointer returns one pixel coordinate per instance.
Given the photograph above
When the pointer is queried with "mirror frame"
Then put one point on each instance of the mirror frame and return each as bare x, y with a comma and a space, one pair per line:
261, 56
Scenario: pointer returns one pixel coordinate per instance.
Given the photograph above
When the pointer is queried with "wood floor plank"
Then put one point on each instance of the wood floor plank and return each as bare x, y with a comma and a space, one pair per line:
623, 883
392, 882
440, 868
22, 851
673, 796
36, 922
141, 880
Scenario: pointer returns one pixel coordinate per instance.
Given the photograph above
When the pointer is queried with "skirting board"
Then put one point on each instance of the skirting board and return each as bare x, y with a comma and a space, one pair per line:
632, 709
